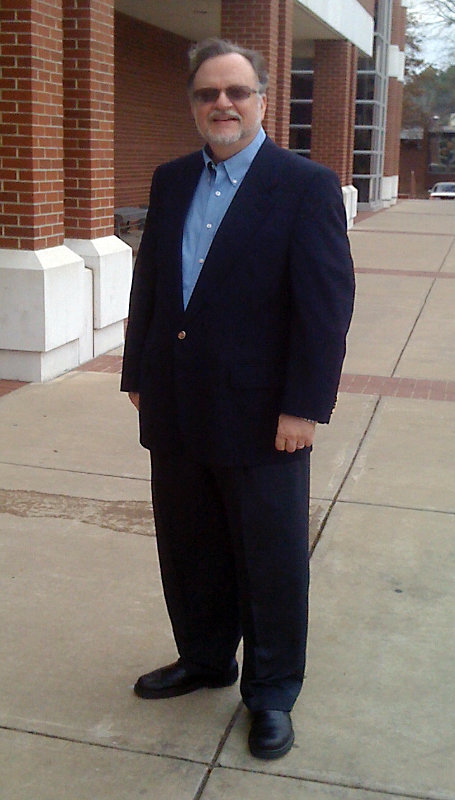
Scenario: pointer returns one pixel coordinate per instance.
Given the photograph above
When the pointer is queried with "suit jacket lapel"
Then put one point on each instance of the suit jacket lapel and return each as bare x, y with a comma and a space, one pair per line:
246, 212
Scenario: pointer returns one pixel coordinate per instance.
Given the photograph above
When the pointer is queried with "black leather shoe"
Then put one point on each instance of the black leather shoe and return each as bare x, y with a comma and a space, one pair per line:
174, 680
271, 734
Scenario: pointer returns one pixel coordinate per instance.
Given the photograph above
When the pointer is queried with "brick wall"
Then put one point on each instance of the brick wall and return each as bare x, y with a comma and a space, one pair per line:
256, 25
153, 121
332, 141
88, 118
31, 207
413, 169
368, 5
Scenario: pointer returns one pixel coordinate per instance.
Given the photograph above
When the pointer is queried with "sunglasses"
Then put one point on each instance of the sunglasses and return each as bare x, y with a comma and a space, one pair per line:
234, 93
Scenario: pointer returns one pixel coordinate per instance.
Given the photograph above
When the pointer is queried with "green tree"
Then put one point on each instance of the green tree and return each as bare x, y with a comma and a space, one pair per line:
428, 94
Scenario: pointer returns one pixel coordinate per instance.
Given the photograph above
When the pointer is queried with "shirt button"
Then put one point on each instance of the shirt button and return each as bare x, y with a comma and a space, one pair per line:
218, 194
234, 181
209, 225
181, 335
201, 260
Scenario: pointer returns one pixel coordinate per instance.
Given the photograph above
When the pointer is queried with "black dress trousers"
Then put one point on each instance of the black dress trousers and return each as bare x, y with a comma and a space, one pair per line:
233, 550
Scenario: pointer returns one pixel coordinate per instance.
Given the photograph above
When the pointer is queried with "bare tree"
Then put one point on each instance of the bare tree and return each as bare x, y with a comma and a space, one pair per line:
437, 18
443, 11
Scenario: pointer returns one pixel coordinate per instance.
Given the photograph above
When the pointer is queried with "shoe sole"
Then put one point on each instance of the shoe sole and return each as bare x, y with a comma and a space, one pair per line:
269, 755
160, 694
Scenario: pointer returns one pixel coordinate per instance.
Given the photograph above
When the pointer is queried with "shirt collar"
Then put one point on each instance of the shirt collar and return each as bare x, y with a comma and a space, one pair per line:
238, 165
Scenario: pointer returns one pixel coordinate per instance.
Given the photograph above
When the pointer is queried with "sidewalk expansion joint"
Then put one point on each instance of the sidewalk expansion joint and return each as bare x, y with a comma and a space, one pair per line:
420, 509
345, 477
345, 783
74, 471
214, 762
425, 300
402, 233
89, 743
405, 273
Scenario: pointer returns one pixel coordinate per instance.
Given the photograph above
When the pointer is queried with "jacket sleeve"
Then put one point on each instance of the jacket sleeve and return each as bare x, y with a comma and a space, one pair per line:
142, 295
322, 295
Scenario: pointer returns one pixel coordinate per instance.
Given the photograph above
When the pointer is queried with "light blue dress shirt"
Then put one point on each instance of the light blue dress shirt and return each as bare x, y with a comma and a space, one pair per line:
214, 193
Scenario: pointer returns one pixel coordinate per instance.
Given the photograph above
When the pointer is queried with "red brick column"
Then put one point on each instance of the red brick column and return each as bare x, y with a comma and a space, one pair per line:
266, 25
31, 185
393, 128
332, 131
283, 91
88, 27
368, 5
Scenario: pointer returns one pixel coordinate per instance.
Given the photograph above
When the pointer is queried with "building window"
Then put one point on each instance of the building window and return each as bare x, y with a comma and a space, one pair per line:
364, 112
442, 151
301, 106
371, 110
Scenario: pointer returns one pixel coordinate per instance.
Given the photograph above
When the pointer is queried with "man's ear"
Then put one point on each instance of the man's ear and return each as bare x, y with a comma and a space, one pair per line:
263, 105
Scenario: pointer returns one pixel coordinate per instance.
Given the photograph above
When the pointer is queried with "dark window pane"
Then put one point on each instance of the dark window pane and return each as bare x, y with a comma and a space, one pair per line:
362, 139
301, 113
361, 164
302, 87
366, 62
363, 188
299, 139
364, 114
365, 87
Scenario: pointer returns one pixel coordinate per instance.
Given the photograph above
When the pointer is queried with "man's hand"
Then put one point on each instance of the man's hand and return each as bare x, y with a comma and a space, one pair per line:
134, 397
293, 433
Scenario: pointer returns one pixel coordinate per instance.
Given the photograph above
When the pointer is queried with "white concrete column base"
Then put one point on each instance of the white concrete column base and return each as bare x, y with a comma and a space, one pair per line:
108, 338
111, 263
41, 312
389, 190
86, 345
350, 195
20, 365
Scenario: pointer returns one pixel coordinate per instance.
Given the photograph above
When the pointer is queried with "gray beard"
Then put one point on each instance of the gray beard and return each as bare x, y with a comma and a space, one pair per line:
232, 138
221, 138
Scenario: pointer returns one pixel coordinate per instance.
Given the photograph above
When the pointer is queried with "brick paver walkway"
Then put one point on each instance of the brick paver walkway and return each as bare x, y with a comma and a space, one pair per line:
417, 388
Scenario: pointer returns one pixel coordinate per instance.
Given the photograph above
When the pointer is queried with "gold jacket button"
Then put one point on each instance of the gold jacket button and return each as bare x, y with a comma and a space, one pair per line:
181, 334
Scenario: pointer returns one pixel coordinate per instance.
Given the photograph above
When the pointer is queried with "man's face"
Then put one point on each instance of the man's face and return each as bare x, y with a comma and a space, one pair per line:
227, 125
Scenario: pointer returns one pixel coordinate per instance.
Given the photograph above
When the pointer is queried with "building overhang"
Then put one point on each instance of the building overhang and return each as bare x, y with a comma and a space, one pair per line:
313, 19
324, 19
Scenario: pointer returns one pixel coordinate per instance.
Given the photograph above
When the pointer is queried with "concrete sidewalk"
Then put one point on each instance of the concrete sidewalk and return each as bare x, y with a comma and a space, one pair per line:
82, 610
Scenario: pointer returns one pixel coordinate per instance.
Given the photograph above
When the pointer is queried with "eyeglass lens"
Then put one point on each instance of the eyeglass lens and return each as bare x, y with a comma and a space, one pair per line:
233, 93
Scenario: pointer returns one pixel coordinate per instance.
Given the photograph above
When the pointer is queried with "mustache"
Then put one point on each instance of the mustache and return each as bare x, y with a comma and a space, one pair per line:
223, 115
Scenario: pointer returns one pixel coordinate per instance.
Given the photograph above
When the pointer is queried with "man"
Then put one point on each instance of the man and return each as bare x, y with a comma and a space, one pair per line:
241, 300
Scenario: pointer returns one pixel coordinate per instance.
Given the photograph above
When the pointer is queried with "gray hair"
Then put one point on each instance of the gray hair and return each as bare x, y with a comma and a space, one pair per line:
210, 48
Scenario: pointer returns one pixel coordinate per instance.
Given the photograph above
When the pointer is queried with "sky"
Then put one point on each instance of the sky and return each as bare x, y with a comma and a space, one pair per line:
439, 47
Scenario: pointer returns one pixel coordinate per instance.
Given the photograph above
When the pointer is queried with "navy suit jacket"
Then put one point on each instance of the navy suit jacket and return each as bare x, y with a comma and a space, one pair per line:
264, 331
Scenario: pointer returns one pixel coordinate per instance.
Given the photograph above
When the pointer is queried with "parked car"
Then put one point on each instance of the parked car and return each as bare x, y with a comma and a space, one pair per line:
442, 191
